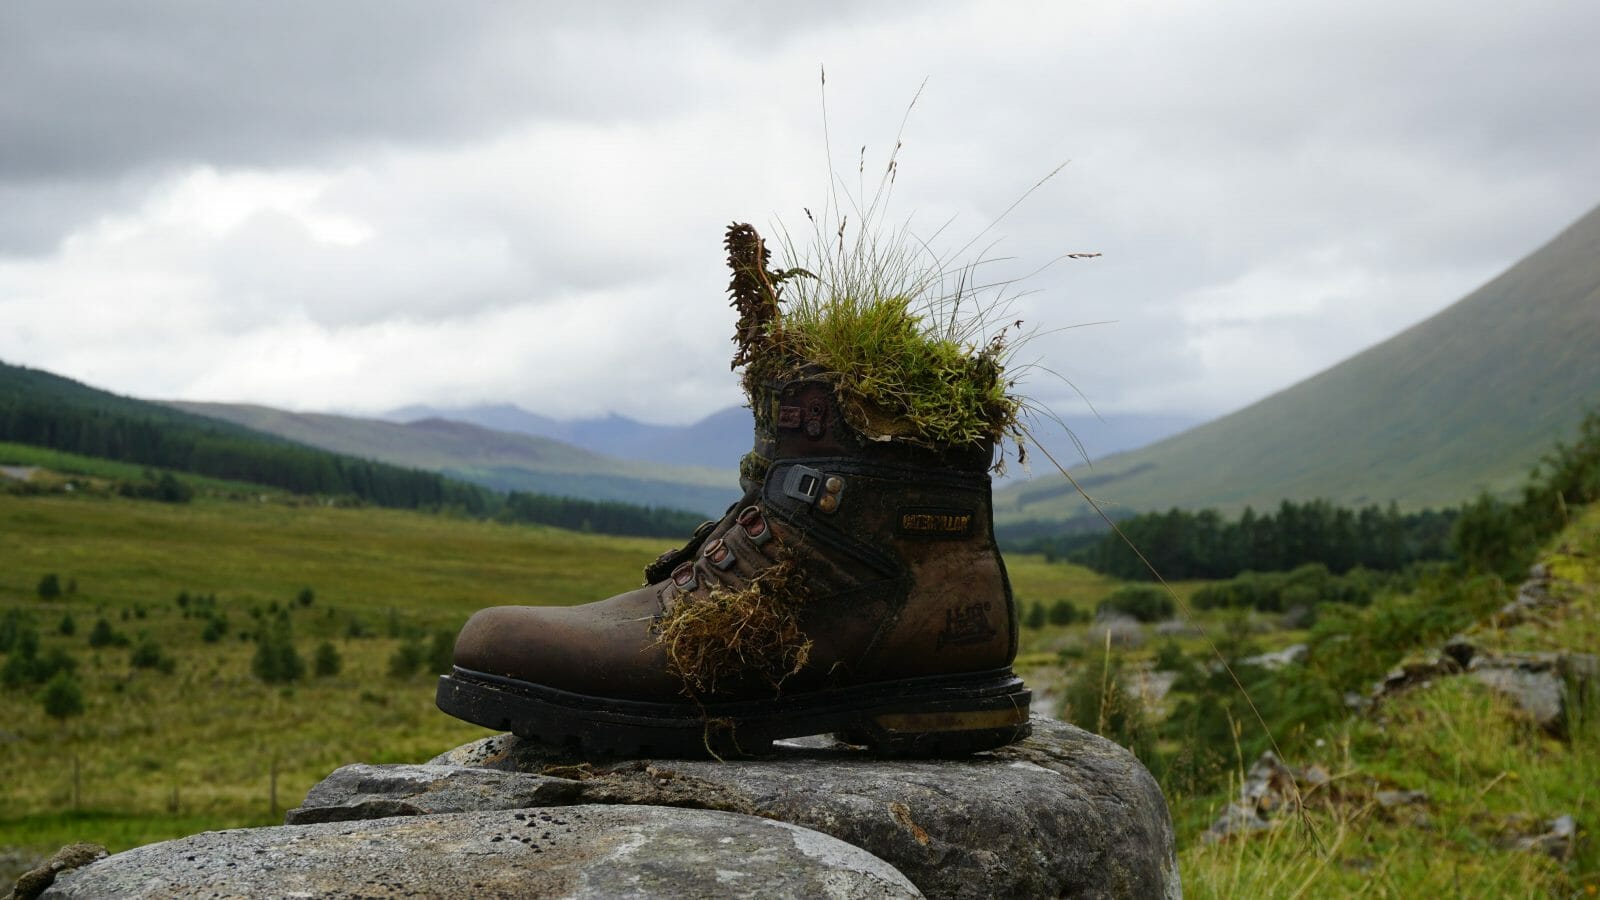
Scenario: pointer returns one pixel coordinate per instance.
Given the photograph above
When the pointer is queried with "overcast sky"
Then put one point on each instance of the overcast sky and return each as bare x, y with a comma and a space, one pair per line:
355, 206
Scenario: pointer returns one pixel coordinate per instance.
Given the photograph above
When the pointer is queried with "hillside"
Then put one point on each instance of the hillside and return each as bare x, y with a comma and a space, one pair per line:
493, 458
41, 409
1466, 400
717, 441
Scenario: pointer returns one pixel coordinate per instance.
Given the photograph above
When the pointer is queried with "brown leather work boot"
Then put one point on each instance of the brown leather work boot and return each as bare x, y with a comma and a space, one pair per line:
902, 633
855, 588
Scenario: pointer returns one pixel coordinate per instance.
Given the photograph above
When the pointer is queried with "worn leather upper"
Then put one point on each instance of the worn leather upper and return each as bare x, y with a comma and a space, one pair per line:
902, 575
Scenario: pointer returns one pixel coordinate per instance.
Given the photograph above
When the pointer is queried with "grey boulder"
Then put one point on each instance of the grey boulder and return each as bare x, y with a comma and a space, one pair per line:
1063, 813
573, 851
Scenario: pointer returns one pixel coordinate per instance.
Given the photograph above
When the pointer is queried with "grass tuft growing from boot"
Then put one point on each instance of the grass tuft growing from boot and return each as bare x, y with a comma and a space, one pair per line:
737, 634
911, 357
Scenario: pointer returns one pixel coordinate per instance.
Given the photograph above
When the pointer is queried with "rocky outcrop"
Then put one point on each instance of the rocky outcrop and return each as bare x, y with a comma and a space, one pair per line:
1540, 684
1063, 813
570, 852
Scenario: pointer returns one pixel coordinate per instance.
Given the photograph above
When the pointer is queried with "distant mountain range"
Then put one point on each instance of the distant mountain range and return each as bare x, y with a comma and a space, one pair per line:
717, 441
1467, 400
496, 459
721, 438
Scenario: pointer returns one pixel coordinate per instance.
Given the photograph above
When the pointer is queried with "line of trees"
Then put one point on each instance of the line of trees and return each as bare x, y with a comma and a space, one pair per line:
44, 410
1182, 544
603, 516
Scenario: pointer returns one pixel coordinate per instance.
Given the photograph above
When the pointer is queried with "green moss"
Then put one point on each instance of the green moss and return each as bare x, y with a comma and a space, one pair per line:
909, 360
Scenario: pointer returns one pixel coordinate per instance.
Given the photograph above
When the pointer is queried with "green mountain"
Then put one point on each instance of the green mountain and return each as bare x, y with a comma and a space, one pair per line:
496, 459
45, 410
1467, 400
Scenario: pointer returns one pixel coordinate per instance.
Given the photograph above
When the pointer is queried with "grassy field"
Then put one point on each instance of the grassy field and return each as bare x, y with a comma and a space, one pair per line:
208, 745
1488, 773
158, 755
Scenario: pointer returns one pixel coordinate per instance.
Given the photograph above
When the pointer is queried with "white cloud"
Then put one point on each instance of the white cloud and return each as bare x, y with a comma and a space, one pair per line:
529, 208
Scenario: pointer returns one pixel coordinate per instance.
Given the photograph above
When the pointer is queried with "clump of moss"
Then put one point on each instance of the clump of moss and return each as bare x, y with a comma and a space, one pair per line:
735, 635
907, 362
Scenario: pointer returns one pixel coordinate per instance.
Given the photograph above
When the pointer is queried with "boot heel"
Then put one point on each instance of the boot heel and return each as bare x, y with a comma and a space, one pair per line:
958, 729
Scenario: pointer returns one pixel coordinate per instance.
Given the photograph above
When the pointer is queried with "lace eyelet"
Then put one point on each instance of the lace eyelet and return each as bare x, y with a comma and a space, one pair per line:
755, 525
683, 577
719, 554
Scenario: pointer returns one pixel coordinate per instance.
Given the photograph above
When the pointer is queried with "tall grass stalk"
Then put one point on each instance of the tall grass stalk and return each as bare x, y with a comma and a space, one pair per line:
920, 343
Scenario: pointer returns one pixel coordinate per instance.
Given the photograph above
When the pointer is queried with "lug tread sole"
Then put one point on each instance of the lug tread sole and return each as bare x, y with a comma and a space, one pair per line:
919, 717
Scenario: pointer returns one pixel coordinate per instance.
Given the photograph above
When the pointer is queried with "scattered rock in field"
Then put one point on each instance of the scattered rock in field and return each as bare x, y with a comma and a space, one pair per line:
1539, 683
1122, 631
1410, 675
1177, 628
36, 881
575, 851
1269, 788
1533, 598
1273, 661
1532, 680
1461, 650
1064, 812
1394, 798
1558, 840
1272, 789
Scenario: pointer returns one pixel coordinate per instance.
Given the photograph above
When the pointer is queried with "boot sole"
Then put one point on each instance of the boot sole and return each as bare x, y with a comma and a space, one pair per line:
947, 715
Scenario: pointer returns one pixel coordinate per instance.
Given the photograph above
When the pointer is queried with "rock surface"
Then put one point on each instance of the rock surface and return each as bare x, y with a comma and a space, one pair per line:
575, 851
1064, 813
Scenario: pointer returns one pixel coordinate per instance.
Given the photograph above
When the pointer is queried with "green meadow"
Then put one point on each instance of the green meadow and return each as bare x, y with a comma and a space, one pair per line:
157, 754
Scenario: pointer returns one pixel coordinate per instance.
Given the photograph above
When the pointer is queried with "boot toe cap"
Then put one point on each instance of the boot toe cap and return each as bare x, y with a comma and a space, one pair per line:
595, 649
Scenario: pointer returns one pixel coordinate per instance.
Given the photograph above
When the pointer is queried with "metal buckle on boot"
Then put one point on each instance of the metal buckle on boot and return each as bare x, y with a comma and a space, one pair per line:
803, 483
808, 485
754, 525
719, 554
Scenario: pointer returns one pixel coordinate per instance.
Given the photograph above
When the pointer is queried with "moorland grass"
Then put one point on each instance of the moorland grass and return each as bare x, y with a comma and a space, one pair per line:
157, 754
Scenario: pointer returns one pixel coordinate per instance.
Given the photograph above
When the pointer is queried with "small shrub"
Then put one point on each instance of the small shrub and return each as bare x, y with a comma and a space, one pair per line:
12, 624
276, 661
1036, 616
216, 628
306, 597
1097, 698
442, 651
406, 659
1062, 612
62, 697
1169, 657
103, 635
26, 665
326, 662
49, 587
67, 627
1146, 603
149, 655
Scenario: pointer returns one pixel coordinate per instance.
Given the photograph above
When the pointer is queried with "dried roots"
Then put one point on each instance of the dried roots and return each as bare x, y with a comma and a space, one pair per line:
737, 635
